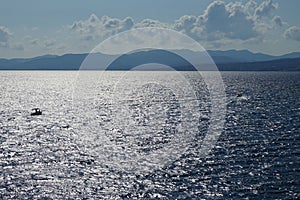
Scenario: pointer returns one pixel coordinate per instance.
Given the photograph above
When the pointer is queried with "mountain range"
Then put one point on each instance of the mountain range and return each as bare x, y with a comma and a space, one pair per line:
230, 60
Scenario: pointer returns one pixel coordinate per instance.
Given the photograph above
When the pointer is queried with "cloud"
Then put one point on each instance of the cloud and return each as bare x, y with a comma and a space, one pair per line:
86, 28
5, 35
185, 22
250, 7
94, 27
239, 22
18, 47
150, 23
233, 21
293, 33
265, 8
190, 25
34, 41
220, 20
277, 21
214, 16
49, 43
114, 25
222, 24
6, 40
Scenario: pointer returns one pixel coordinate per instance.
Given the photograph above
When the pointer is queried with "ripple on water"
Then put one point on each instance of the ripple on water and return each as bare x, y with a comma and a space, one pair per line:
257, 155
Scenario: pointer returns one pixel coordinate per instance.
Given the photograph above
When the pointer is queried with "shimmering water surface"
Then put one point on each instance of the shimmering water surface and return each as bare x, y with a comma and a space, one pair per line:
116, 139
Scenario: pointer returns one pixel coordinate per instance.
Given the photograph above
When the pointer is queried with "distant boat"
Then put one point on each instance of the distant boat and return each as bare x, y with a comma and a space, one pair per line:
240, 95
36, 111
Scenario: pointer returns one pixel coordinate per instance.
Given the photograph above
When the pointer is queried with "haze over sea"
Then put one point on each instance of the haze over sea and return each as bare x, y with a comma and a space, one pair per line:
60, 153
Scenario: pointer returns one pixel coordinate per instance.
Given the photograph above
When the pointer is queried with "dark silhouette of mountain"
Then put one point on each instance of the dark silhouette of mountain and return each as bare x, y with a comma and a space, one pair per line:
239, 56
163, 57
226, 60
289, 64
66, 62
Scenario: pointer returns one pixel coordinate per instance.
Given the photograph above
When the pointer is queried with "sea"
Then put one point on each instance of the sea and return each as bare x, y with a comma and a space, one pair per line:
148, 135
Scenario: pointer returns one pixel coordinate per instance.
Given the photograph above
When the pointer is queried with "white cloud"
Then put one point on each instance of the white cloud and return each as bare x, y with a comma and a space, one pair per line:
18, 47
185, 22
150, 23
94, 27
49, 43
293, 33
222, 25
220, 20
241, 22
5, 34
216, 17
114, 25
34, 41
190, 25
277, 21
6, 40
250, 6
146, 38
265, 8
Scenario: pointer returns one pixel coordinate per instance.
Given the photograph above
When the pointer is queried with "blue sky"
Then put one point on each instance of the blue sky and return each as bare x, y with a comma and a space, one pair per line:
34, 27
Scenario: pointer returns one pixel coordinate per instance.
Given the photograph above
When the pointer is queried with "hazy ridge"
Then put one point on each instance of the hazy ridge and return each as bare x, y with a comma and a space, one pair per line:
230, 60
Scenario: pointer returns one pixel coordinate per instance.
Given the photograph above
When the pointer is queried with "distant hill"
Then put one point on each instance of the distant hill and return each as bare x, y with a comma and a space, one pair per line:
64, 62
226, 60
289, 64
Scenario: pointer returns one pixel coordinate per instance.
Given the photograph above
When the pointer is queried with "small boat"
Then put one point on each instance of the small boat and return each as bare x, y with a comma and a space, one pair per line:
239, 95
36, 111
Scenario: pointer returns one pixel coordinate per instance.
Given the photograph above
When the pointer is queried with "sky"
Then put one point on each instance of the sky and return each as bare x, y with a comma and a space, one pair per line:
38, 27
